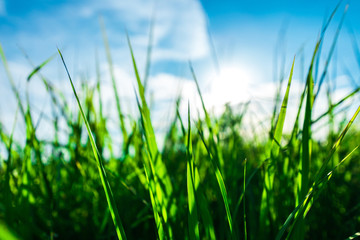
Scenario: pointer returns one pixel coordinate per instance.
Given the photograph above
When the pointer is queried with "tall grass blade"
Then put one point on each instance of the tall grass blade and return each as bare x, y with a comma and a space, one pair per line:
281, 119
8, 193
113, 81
149, 51
160, 176
336, 145
193, 221
298, 213
6, 233
108, 193
55, 95
244, 209
267, 200
218, 161
335, 105
98, 84
207, 117
323, 75
306, 148
221, 183
214, 146
155, 190
203, 208
26, 166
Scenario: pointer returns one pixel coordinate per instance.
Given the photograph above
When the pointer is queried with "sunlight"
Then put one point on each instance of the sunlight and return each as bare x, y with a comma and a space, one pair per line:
230, 85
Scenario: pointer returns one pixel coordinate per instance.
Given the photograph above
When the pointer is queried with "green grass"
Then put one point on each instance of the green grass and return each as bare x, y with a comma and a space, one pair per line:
209, 181
107, 189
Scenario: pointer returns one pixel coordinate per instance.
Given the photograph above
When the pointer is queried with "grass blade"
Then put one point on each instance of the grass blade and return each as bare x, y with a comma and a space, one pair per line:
306, 149
281, 119
356, 235
108, 193
193, 221
203, 208
113, 81
221, 183
298, 213
331, 52
155, 189
244, 188
333, 106
160, 178
6, 233
267, 201
149, 50
216, 158
38, 68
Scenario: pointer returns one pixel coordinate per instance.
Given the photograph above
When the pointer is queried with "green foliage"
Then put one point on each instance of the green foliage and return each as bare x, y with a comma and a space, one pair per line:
208, 181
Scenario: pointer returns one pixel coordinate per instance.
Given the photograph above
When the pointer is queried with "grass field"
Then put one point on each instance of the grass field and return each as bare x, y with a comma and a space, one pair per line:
208, 181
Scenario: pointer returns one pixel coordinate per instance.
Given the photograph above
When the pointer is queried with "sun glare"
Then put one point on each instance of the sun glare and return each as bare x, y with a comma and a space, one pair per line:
230, 85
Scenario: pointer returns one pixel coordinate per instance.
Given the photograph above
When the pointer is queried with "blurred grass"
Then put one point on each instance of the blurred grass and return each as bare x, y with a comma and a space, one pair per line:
209, 181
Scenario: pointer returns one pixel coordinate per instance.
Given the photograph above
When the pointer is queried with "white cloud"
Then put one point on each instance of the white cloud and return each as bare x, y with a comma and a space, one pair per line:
180, 26
183, 27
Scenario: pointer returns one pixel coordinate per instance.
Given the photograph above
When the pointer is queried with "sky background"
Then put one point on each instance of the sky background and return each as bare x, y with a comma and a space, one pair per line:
237, 49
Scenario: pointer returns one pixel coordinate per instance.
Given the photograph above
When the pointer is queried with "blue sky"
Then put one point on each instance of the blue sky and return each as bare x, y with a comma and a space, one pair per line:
245, 30
243, 35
